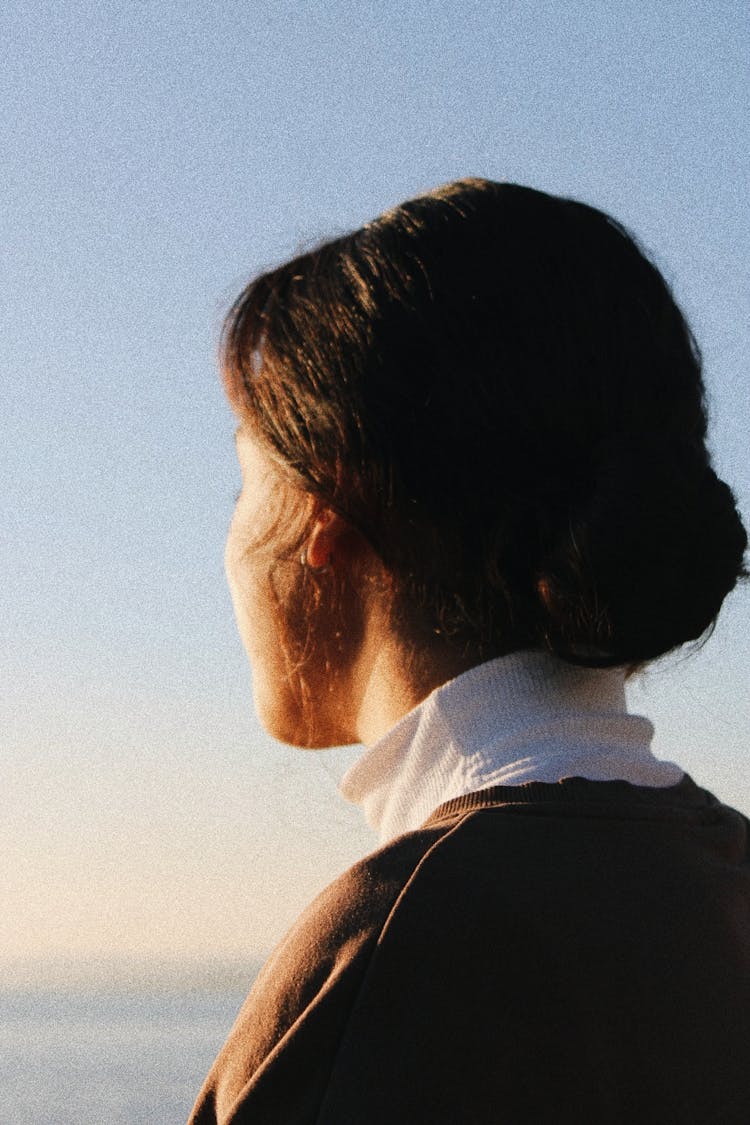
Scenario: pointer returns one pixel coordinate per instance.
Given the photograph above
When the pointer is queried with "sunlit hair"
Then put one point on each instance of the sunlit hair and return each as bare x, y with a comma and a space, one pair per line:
496, 388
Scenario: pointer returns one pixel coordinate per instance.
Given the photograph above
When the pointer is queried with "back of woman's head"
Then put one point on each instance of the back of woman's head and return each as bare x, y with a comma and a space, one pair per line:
497, 389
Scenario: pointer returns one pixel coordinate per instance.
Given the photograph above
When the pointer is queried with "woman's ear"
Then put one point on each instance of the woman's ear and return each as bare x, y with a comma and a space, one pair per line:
329, 542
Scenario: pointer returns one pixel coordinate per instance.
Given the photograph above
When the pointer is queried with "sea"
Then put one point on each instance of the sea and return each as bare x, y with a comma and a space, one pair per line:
122, 1051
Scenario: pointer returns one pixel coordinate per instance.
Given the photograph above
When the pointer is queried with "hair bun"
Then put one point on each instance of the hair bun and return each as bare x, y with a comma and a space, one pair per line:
646, 561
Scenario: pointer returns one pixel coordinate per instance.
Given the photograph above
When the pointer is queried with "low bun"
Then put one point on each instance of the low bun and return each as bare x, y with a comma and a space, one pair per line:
644, 565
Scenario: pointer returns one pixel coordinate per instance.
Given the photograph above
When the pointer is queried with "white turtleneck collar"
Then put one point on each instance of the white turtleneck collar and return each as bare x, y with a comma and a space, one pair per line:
523, 717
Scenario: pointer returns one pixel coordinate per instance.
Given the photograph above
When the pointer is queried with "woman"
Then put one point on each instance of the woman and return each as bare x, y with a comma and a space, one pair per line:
476, 495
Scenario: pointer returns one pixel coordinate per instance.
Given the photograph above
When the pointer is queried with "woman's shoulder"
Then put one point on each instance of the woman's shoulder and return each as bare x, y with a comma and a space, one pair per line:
359, 902
299, 1003
478, 886
501, 829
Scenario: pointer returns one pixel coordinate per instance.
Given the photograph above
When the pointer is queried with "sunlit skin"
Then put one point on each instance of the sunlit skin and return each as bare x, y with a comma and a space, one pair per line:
329, 670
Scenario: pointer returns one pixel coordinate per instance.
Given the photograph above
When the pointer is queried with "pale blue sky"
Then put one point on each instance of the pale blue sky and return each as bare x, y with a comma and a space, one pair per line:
155, 156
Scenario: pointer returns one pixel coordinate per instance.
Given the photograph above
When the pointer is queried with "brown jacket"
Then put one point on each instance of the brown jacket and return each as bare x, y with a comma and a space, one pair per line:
569, 953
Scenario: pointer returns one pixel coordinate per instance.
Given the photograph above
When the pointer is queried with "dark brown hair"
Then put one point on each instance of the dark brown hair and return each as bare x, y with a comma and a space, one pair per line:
496, 388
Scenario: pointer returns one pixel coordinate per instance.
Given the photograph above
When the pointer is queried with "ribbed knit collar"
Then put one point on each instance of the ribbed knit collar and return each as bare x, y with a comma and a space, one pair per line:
527, 717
